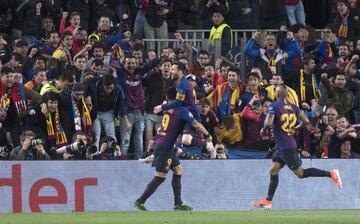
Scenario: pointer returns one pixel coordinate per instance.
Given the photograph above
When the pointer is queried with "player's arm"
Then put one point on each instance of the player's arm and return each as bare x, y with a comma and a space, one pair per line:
268, 121
189, 117
198, 126
304, 120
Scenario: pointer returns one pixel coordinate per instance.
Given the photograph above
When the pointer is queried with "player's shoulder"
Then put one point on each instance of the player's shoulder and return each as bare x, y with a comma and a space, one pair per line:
184, 112
276, 104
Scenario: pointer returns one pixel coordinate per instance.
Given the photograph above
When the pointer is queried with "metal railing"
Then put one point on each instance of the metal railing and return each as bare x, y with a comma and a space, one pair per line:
237, 34
198, 39
174, 43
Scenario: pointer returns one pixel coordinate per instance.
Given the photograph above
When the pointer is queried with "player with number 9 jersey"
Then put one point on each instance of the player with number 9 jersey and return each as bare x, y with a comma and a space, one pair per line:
285, 119
172, 125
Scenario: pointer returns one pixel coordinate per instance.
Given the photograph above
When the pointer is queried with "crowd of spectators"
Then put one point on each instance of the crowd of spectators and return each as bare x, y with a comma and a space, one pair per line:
77, 81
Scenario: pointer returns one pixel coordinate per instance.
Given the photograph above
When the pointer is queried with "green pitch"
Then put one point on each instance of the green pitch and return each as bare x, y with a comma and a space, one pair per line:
226, 217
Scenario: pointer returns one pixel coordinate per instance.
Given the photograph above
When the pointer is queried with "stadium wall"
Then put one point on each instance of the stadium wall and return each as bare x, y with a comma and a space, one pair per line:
66, 186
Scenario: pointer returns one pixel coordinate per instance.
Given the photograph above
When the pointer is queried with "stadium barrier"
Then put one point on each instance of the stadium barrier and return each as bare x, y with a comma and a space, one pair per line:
67, 186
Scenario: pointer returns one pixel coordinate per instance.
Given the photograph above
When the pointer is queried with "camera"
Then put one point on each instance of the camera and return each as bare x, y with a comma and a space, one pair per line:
36, 141
72, 148
111, 144
91, 149
220, 150
6, 149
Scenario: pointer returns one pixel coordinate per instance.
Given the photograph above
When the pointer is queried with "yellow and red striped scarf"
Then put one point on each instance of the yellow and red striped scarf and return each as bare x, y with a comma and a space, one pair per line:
303, 88
344, 26
58, 132
86, 117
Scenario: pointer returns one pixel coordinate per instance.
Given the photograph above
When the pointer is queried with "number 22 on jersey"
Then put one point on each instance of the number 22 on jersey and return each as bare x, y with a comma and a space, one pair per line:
288, 122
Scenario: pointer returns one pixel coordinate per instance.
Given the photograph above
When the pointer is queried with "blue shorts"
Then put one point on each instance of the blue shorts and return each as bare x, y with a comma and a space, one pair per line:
165, 158
289, 157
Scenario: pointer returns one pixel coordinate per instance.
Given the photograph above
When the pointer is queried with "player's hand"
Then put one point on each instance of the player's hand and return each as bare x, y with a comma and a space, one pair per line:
65, 14
157, 109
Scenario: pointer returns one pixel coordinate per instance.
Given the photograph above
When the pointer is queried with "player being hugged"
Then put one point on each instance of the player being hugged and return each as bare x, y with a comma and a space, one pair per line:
165, 157
283, 116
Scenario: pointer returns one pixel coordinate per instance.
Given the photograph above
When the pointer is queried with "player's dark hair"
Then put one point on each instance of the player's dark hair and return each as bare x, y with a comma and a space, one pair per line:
170, 93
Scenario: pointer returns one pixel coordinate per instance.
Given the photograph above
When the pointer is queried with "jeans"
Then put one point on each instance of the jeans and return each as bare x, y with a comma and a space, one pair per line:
136, 119
107, 121
155, 33
296, 13
139, 23
152, 122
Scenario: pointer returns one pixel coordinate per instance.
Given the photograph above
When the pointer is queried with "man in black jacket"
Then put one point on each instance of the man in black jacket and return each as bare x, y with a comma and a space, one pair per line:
108, 102
155, 83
